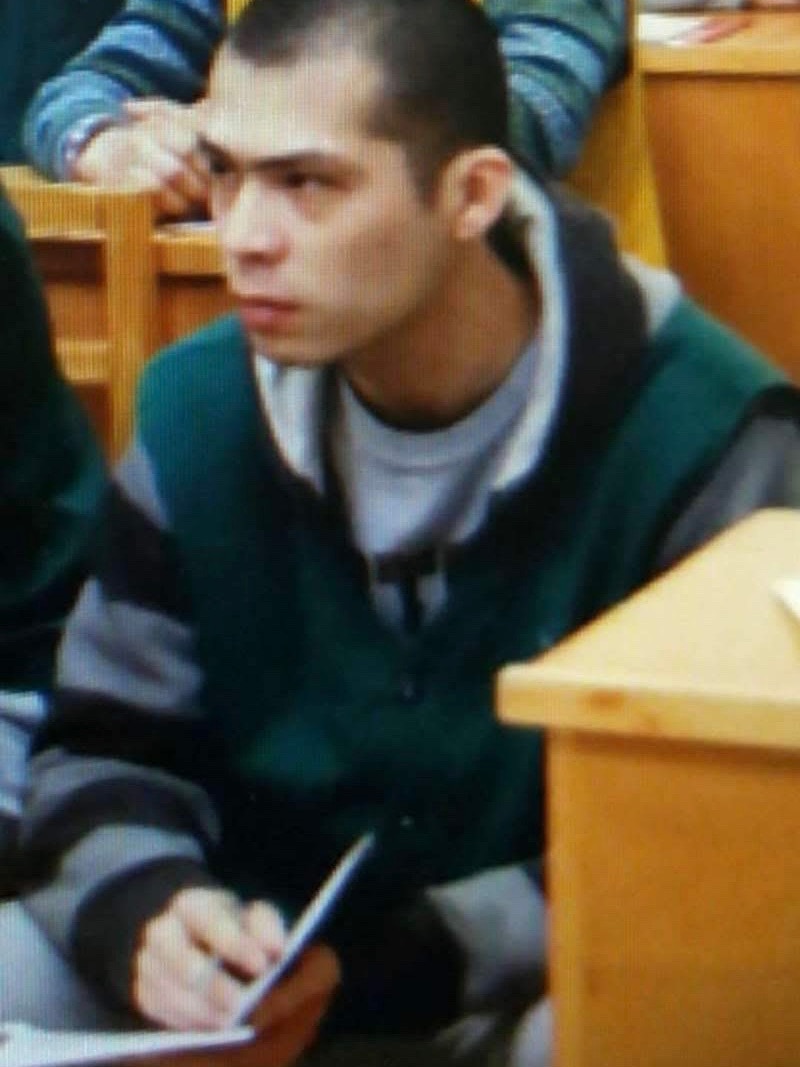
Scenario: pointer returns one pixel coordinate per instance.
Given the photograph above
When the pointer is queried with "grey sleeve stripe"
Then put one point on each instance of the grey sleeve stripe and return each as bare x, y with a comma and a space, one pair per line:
26, 708
57, 776
499, 919
104, 854
129, 653
20, 714
761, 469
137, 481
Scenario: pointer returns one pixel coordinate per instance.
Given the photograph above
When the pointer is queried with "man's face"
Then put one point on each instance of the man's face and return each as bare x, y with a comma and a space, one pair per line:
327, 245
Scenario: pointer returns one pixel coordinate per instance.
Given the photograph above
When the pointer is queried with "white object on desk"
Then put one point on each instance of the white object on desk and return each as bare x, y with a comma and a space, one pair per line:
26, 1046
788, 591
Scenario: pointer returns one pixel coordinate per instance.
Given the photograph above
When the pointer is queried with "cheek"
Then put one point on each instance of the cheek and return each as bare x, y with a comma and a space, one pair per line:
387, 262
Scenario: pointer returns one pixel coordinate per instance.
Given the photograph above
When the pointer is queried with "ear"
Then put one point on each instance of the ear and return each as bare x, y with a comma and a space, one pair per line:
474, 189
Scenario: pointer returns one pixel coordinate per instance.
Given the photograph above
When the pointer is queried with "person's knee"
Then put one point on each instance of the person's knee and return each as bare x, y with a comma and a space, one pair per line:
532, 1041
37, 985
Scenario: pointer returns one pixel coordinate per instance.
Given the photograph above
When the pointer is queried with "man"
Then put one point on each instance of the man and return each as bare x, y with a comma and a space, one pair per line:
90, 122
51, 480
448, 425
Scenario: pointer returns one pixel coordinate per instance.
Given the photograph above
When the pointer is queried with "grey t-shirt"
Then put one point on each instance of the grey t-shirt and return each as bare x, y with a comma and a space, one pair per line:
409, 493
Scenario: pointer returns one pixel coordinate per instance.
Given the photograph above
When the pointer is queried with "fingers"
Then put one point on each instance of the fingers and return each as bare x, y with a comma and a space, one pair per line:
216, 922
196, 954
266, 925
164, 1000
155, 152
179, 182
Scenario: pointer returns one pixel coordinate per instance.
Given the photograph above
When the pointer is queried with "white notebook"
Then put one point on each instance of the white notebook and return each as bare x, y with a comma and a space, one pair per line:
27, 1046
788, 591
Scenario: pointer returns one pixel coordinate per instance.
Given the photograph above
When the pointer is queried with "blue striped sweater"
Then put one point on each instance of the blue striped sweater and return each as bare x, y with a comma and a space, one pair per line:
560, 55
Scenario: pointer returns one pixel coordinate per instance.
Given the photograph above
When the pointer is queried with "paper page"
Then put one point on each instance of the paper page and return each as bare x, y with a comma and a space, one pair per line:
661, 29
788, 592
27, 1046
308, 923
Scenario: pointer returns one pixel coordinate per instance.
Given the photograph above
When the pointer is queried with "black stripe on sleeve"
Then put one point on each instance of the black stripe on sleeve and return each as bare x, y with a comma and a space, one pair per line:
109, 924
138, 562
116, 801
96, 725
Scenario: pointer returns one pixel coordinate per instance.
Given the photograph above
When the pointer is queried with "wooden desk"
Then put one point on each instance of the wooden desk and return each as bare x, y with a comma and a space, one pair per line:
724, 122
673, 728
118, 288
191, 285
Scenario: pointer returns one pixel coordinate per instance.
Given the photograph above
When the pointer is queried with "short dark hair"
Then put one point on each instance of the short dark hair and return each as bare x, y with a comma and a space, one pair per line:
444, 85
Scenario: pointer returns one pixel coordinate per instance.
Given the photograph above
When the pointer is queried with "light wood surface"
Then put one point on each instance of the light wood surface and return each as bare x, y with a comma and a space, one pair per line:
191, 286
673, 778
615, 170
118, 288
95, 255
724, 122
632, 670
769, 43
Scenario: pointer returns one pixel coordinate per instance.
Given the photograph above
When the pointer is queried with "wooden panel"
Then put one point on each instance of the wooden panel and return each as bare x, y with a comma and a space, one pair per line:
94, 252
616, 174
676, 929
673, 876
726, 153
192, 288
723, 119
72, 270
186, 303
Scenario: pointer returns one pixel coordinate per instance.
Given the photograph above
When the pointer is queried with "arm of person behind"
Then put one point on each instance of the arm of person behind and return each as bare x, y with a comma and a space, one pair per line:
561, 55
157, 51
51, 482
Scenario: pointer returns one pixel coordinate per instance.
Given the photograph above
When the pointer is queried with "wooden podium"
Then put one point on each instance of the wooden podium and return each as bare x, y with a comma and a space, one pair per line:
673, 763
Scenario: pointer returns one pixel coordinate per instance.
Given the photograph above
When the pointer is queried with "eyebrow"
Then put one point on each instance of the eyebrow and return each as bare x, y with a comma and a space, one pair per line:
279, 162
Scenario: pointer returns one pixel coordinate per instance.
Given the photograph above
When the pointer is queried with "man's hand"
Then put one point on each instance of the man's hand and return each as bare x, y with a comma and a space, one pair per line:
195, 955
155, 151
286, 1022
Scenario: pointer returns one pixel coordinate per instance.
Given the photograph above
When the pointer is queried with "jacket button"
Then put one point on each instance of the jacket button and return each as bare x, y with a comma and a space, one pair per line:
410, 689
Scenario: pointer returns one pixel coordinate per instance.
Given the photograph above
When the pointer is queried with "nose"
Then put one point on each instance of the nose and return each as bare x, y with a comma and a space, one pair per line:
250, 225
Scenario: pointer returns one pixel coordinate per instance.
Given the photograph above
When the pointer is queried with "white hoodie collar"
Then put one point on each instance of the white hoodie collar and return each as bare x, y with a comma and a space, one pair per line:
292, 398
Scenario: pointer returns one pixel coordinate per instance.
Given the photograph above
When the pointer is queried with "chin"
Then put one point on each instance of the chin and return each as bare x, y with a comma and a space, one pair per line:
286, 354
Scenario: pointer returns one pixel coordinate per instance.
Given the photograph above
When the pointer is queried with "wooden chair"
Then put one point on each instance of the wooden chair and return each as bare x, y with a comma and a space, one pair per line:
615, 171
95, 253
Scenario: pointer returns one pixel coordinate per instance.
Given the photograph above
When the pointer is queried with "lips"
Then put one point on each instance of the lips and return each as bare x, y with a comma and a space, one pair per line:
264, 313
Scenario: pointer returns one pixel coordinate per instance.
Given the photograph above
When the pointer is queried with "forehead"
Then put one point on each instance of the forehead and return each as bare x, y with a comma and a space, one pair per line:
315, 103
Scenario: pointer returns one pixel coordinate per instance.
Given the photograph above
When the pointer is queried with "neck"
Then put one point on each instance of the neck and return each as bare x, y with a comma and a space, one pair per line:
453, 355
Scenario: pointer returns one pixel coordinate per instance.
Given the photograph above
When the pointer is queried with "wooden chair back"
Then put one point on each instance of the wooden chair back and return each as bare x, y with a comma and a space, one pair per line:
94, 252
615, 170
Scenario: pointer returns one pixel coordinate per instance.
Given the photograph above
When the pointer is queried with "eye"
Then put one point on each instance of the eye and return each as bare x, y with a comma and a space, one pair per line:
217, 166
306, 182
215, 162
